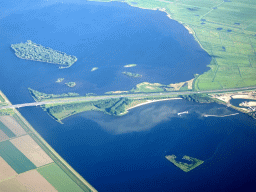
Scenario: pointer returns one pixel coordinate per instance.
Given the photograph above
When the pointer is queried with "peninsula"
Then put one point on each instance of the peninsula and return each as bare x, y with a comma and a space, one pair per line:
186, 167
36, 52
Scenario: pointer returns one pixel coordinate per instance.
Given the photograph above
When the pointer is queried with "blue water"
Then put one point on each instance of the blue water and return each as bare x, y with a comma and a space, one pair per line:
124, 153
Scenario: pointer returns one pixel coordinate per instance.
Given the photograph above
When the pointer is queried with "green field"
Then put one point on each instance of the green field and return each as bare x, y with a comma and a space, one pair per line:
225, 29
6, 130
19, 162
58, 178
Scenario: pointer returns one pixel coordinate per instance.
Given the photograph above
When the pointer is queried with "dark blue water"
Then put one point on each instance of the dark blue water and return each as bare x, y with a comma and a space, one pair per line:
128, 153
104, 35
124, 153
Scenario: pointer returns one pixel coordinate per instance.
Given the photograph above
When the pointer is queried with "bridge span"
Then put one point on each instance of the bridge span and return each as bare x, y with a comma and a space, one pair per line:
138, 95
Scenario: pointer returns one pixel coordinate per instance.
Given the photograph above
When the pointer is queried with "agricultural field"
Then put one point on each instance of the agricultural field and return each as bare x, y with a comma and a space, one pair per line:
5, 130
15, 158
12, 124
31, 150
225, 29
28, 181
23, 154
57, 177
6, 170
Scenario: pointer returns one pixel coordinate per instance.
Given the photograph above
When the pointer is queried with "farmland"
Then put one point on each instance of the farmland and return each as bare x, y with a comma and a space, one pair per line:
7, 131
23, 152
17, 160
10, 122
57, 177
226, 30
31, 150
6, 170
28, 181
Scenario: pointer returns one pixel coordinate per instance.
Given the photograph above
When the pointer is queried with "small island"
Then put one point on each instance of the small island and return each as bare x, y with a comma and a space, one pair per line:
132, 74
130, 65
36, 52
94, 68
71, 84
59, 80
185, 166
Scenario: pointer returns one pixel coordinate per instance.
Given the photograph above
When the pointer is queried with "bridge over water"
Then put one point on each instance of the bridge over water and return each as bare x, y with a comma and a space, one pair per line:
93, 98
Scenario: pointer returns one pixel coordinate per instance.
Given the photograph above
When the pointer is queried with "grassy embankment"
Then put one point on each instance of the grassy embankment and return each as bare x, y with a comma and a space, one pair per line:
58, 160
185, 166
225, 29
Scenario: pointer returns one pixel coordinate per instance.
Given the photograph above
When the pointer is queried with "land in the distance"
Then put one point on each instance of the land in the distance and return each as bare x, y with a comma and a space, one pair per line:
186, 167
130, 65
59, 80
136, 75
94, 68
71, 84
226, 30
36, 52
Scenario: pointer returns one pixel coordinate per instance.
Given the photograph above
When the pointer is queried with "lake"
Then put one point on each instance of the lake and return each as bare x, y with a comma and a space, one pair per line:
125, 153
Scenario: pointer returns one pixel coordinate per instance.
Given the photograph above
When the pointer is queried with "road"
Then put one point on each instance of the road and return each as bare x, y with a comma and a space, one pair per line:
93, 98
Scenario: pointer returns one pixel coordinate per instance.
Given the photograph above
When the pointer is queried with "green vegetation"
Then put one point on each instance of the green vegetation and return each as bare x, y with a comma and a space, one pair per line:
71, 84
185, 166
94, 68
6, 130
199, 98
57, 177
36, 52
108, 106
39, 96
130, 65
2, 99
6, 112
132, 74
17, 160
59, 80
225, 29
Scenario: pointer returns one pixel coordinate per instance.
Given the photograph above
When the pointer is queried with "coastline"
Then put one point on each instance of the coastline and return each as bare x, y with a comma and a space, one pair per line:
152, 101
73, 174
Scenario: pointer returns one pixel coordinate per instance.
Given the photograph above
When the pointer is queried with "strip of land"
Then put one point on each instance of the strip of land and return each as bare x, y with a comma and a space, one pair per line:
28, 163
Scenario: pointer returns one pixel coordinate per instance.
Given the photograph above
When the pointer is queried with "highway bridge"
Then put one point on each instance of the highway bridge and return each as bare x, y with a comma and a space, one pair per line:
138, 95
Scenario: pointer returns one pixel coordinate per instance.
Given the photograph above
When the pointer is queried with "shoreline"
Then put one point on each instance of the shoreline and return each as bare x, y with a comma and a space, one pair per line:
152, 101
57, 159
